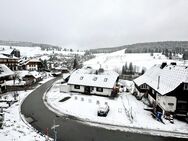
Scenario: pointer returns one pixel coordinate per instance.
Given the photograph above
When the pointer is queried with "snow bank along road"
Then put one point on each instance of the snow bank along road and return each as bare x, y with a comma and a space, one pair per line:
70, 128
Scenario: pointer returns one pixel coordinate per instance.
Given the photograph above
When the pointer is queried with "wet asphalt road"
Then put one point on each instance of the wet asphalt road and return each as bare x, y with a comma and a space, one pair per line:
72, 129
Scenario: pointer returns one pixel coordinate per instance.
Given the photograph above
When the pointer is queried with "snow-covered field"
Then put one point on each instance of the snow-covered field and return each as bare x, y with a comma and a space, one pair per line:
35, 51
115, 60
15, 128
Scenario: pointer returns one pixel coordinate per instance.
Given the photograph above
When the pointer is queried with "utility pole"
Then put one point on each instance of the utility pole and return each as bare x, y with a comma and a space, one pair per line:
55, 131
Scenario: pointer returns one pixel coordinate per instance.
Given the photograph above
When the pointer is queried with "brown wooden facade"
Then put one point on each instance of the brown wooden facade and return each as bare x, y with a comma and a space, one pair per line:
11, 63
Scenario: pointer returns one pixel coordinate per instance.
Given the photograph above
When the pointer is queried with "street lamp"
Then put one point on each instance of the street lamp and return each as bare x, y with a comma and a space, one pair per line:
54, 128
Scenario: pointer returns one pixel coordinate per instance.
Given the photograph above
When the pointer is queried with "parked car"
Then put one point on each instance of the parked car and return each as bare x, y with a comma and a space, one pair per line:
103, 110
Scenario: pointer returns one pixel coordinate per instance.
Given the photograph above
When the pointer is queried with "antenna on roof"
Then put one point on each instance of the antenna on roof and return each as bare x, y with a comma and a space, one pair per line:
158, 82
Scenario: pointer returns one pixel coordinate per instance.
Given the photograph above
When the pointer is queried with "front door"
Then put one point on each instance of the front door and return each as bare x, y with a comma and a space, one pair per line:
87, 89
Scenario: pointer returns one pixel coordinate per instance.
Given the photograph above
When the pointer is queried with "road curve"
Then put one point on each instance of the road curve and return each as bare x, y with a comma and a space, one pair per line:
72, 129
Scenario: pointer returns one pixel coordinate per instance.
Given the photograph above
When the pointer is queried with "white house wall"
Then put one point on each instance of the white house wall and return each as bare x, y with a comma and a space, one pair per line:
168, 103
106, 92
64, 88
81, 90
33, 67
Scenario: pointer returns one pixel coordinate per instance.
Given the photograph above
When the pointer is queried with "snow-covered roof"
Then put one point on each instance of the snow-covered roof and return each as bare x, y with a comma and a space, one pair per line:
35, 74
34, 60
7, 51
22, 73
3, 56
88, 78
24, 61
14, 57
170, 77
5, 71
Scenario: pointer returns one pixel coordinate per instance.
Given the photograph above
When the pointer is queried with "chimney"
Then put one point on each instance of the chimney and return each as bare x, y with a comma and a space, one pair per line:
173, 63
158, 82
163, 65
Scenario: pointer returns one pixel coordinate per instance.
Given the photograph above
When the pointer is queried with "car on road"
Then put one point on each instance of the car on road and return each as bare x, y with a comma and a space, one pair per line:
103, 110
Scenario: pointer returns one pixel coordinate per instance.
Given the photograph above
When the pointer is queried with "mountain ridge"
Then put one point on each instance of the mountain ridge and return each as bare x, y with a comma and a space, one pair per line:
28, 44
178, 46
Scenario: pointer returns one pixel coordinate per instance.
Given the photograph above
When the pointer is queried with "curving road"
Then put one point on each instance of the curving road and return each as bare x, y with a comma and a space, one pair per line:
71, 129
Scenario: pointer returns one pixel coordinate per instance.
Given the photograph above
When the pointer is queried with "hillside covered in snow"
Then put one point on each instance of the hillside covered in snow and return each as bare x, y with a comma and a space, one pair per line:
115, 61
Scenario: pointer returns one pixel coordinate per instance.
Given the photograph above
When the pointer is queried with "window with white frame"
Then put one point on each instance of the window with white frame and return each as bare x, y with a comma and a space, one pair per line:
144, 86
76, 86
99, 89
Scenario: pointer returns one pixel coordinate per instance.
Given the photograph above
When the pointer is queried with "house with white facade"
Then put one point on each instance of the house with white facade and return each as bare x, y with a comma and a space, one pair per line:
30, 64
91, 81
166, 86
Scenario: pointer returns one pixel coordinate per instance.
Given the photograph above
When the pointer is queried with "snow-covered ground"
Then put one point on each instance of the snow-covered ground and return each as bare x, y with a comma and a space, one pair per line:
35, 51
125, 110
15, 128
115, 60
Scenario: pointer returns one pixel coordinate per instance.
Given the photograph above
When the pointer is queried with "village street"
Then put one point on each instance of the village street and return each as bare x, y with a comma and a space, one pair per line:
71, 128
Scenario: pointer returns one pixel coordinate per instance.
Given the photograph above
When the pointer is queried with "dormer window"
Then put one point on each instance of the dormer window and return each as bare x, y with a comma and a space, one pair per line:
81, 78
76, 87
95, 78
105, 79
144, 86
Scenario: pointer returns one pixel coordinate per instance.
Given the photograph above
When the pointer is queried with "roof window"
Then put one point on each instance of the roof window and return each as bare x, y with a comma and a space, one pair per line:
81, 78
95, 78
105, 79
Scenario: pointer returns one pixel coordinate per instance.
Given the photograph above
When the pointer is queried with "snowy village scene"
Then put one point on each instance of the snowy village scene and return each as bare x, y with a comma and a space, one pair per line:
93, 70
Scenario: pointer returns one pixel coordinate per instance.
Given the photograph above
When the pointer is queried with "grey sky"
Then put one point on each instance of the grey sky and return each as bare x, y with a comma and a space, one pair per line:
93, 23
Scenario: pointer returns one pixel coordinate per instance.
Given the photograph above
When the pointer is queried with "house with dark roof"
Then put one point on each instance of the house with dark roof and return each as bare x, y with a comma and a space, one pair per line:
5, 74
10, 52
166, 86
91, 81
32, 77
10, 62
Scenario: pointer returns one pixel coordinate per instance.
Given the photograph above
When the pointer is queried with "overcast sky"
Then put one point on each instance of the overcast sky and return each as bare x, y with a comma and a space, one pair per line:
93, 23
